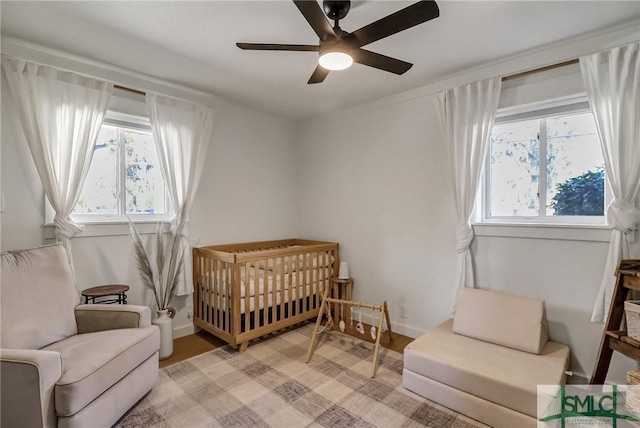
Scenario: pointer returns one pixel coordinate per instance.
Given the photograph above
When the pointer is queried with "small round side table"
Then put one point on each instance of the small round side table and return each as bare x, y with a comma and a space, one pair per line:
118, 291
342, 289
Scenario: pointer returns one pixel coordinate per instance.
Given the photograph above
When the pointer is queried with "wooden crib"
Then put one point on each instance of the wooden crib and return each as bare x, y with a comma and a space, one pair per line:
244, 291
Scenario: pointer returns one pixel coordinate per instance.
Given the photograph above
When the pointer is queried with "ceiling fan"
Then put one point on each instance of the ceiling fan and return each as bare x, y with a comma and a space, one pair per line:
338, 49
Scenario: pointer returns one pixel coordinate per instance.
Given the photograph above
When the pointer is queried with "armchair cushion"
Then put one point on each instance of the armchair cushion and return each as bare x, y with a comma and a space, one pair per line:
93, 362
31, 377
92, 318
37, 281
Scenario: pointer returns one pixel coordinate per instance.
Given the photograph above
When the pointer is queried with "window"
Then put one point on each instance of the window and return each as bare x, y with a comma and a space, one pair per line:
545, 167
124, 178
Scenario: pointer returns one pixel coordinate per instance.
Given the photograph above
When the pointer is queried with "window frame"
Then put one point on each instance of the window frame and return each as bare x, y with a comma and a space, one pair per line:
576, 105
116, 224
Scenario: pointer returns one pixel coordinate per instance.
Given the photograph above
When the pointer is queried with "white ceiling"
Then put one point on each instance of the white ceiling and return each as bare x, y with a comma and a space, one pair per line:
193, 43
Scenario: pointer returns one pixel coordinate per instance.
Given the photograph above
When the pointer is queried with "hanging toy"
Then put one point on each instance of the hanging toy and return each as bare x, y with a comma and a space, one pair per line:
373, 322
351, 318
359, 326
329, 321
341, 323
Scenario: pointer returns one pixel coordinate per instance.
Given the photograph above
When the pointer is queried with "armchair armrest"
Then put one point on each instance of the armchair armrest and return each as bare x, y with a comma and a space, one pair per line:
28, 382
92, 318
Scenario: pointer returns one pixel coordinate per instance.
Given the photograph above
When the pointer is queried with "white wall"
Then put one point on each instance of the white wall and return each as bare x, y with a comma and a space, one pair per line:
247, 188
377, 183
376, 179
246, 193
22, 192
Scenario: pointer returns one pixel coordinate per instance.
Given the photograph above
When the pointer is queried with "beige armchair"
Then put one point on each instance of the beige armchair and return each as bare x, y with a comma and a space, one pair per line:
65, 364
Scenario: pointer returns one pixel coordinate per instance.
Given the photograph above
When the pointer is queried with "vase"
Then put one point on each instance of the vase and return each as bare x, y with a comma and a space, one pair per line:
165, 324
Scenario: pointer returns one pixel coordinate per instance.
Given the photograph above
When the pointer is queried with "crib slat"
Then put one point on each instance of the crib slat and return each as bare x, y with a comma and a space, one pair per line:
205, 303
225, 300
211, 277
302, 281
197, 283
235, 298
247, 299
290, 287
281, 291
220, 293
305, 281
265, 293
258, 295
321, 274
315, 277
228, 310
321, 283
205, 286
256, 303
218, 285
215, 291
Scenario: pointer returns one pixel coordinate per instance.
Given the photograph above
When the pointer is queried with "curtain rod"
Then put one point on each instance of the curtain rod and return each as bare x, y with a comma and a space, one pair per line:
538, 70
134, 91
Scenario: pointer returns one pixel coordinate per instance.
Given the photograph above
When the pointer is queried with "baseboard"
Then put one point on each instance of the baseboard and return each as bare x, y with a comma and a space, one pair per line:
403, 329
578, 379
407, 330
183, 330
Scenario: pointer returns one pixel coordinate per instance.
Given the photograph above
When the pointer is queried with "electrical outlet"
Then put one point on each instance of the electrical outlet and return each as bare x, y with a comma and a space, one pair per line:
403, 310
189, 315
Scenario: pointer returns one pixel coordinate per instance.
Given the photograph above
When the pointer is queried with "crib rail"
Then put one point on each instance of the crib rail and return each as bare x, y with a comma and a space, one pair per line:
243, 291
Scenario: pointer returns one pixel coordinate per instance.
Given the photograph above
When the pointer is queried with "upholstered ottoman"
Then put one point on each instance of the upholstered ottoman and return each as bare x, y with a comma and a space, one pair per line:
486, 363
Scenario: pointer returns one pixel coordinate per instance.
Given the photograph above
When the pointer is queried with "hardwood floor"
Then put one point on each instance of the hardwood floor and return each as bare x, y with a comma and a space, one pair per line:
201, 342
190, 346
398, 342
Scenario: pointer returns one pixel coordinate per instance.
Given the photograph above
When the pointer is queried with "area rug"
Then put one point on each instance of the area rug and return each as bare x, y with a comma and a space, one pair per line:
270, 385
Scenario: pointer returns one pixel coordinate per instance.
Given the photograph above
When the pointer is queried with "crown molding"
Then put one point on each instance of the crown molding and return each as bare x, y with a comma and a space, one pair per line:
138, 82
17, 48
542, 56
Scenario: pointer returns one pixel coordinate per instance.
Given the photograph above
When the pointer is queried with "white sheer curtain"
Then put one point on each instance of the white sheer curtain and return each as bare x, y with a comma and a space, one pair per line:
612, 81
182, 131
467, 114
61, 114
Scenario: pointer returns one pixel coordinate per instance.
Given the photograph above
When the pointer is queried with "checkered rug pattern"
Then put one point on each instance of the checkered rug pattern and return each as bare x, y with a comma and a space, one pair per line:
270, 385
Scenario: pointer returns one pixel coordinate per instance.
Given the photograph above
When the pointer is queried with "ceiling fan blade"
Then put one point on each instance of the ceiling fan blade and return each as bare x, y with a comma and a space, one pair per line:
277, 47
316, 18
381, 62
406, 18
318, 76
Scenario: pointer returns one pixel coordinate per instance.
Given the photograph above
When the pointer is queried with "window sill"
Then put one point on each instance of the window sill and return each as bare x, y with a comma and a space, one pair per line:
566, 232
109, 229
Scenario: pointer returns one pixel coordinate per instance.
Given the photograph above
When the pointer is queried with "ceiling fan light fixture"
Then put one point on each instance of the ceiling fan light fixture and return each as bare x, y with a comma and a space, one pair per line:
335, 60
338, 48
